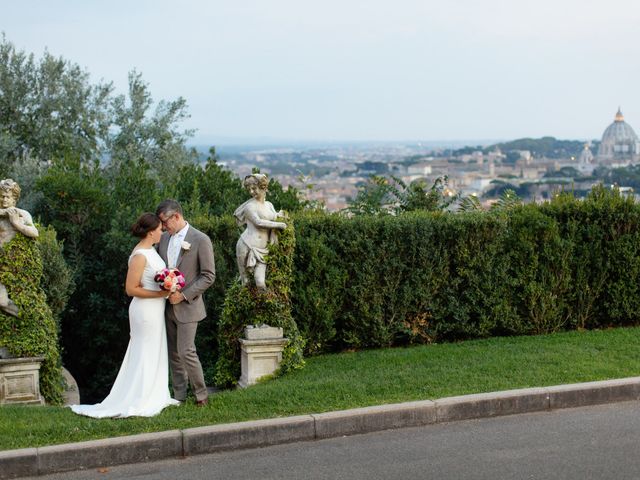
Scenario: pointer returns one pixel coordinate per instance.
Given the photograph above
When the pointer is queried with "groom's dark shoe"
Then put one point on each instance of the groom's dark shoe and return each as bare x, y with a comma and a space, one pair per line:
202, 403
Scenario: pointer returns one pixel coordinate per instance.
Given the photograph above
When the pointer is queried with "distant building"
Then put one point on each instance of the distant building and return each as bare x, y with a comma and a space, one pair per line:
586, 161
526, 156
531, 172
477, 157
419, 169
496, 155
619, 142
479, 184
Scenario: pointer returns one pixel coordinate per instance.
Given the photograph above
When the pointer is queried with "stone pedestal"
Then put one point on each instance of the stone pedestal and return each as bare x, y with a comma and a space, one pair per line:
261, 353
20, 381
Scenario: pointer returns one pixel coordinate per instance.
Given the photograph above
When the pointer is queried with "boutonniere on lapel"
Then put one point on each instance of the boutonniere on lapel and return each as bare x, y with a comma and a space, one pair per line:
185, 246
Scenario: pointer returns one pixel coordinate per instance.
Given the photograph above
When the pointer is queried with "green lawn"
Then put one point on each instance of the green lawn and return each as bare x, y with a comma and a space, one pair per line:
349, 380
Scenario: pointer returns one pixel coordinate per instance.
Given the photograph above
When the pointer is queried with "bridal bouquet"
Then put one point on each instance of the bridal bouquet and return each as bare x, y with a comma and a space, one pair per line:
170, 279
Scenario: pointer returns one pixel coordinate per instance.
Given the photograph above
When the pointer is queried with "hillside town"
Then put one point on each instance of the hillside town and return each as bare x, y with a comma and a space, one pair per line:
332, 174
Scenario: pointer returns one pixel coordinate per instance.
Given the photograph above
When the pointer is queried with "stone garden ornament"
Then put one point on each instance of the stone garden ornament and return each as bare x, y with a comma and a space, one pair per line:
12, 221
259, 217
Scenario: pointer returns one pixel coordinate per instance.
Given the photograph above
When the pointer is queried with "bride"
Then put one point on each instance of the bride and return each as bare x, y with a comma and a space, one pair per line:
142, 385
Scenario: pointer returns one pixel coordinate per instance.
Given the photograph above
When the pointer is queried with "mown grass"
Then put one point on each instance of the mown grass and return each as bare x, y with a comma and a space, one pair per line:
358, 379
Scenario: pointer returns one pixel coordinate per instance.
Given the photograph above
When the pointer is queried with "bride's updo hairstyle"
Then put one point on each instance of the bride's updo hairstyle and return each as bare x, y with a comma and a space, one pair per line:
147, 222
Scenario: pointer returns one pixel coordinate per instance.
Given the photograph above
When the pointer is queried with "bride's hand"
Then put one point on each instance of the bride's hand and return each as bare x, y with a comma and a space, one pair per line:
176, 297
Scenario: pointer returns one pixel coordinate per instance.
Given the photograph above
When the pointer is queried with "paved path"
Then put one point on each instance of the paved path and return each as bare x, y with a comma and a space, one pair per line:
597, 442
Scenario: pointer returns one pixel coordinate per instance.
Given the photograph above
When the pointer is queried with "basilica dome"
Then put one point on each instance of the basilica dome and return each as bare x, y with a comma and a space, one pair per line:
619, 141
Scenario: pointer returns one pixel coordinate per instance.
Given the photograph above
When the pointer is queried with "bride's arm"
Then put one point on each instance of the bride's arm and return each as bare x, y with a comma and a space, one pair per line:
133, 285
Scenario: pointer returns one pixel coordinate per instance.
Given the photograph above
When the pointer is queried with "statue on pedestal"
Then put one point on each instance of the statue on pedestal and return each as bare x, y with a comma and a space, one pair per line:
28, 328
12, 220
266, 239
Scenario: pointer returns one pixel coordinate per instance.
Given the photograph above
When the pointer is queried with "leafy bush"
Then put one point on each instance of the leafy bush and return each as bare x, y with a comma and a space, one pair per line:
57, 278
34, 331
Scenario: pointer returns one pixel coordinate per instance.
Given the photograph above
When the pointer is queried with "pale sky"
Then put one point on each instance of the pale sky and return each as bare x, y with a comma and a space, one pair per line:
358, 70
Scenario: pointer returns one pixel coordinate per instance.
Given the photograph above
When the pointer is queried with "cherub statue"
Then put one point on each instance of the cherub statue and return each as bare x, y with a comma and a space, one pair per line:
12, 220
259, 216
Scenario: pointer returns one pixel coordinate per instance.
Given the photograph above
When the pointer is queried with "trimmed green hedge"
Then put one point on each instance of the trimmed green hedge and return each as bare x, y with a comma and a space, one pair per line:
375, 281
380, 281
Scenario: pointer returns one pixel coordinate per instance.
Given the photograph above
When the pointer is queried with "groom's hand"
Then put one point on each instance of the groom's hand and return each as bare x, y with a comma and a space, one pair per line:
175, 298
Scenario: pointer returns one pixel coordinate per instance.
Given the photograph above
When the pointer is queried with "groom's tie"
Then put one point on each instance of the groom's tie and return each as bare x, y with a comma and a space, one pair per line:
172, 251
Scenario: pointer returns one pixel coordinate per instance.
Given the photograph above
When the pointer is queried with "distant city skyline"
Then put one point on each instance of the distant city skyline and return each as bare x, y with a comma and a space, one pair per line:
347, 71
312, 143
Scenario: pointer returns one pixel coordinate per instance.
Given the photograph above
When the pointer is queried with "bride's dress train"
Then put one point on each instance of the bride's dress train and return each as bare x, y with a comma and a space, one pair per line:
141, 388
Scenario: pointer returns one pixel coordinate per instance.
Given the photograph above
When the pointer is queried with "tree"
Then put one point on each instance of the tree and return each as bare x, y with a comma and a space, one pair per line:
138, 134
508, 200
373, 197
48, 108
567, 172
622, 176
290, 199
499, 187
512, 156
219, 191
381, 195
419, 196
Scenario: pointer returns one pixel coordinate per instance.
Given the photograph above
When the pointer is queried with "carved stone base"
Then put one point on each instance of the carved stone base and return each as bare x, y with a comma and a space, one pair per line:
261, 353
20, 381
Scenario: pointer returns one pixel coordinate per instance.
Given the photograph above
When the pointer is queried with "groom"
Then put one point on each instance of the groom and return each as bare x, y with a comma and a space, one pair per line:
190, 251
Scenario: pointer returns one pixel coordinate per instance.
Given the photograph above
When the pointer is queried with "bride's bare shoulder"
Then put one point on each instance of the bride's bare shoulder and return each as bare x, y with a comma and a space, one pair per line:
138, 255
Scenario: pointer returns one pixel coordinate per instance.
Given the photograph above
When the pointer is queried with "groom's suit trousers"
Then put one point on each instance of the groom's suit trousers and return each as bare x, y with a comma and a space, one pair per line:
185, 364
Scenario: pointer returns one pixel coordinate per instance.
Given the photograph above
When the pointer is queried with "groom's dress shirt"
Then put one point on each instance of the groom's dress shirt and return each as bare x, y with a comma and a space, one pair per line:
175, 244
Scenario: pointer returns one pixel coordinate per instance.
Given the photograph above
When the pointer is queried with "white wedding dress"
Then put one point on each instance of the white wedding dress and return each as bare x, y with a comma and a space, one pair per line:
141, 388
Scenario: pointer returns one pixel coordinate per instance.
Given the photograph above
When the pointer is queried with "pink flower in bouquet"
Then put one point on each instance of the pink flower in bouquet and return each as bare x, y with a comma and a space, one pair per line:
170, 279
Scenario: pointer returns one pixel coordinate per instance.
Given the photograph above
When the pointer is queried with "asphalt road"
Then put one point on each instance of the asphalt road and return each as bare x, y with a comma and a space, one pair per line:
600, 442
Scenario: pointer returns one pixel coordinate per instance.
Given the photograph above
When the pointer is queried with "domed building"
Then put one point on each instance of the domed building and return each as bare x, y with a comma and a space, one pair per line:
619, 141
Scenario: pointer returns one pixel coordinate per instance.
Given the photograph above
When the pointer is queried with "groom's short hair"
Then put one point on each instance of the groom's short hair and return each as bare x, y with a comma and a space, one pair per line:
169, 207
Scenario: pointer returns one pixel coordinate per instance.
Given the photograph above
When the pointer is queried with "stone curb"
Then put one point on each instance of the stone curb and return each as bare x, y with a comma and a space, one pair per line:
177, 443
110, 451
259, 433
373, 419
493, 404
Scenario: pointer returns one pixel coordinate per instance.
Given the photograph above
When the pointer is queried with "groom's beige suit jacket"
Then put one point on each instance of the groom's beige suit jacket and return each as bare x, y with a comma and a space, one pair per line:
198, 267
